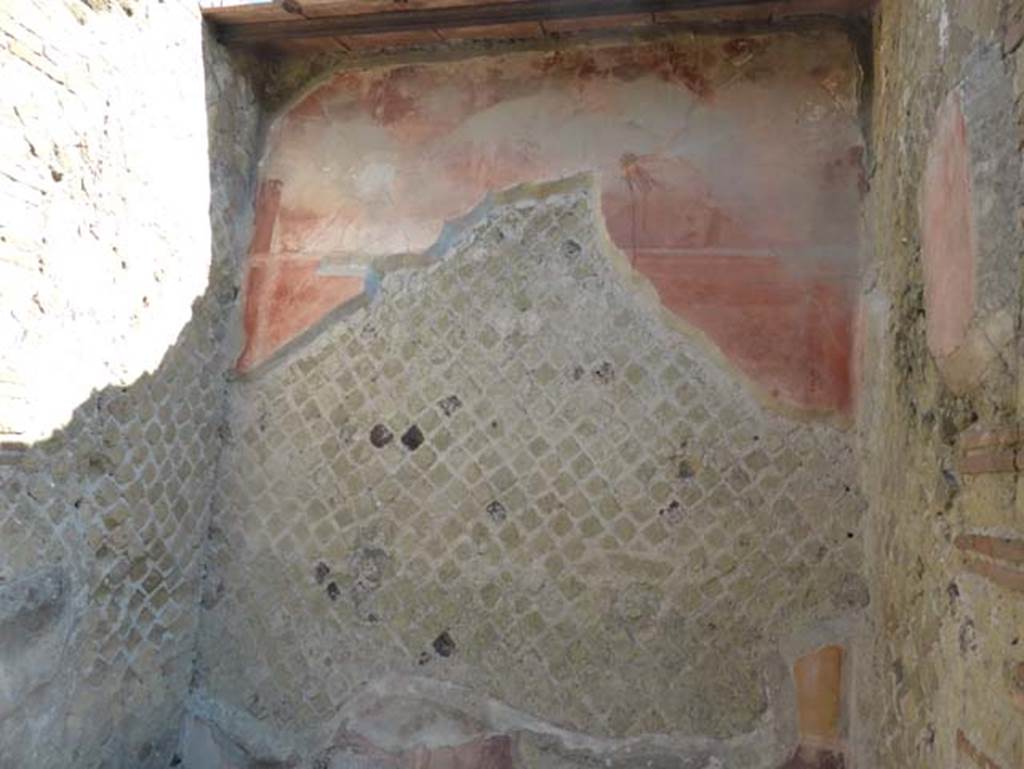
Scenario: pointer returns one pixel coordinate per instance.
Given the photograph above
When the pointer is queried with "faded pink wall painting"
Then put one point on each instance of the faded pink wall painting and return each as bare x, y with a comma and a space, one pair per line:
729, 171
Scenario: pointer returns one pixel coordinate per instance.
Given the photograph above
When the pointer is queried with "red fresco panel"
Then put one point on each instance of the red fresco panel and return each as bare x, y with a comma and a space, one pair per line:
730, 175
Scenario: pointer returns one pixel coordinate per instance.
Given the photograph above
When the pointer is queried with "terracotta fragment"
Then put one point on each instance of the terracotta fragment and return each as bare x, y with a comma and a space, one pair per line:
818, 677
818, 692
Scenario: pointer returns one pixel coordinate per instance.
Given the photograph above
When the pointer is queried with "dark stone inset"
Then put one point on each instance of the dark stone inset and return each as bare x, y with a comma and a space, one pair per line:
320, 572
450, 405
673, 513
444, 644
380, 436
685, 471
571, 249
424, 658
605, 373
412, 439
497, 511
333, 591
577, 373
953, 591
968, 638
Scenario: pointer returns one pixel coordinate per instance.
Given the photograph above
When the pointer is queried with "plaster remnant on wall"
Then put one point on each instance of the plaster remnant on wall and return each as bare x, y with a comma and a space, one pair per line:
964, 217
949, 239
761, 258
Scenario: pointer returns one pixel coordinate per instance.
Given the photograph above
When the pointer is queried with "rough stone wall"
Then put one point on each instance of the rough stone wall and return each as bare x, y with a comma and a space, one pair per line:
511, 495
941, 408
107, 286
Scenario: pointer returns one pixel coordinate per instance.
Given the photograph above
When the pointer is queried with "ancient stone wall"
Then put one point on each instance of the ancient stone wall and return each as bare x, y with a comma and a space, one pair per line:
512, 496
941, 403
113, 383
518, 506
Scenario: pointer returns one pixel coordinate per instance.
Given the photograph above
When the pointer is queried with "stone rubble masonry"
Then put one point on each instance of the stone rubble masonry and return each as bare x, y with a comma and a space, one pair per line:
508, 513
941, 409
110, 341
512, 474
571, 515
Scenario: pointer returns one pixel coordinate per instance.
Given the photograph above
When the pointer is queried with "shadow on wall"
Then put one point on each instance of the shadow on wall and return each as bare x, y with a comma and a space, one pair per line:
102, 524
418, 723
102, 530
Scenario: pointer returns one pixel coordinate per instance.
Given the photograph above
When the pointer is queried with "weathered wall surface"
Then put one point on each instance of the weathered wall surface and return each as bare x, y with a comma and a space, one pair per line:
941, 407
105, 241
510, 496
90, 295
730, 172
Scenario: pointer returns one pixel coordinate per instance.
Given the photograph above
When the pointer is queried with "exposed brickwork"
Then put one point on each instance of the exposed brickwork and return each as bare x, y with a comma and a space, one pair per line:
999, 548
989, 450
1011, 579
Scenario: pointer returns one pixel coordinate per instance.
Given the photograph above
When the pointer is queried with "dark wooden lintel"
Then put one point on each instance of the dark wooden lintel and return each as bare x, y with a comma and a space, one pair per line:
451, 17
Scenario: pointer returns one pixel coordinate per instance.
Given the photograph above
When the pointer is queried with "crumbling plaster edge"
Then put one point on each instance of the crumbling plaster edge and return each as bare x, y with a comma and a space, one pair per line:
455, 230
771, 742
264, 743
645, 290
775, 737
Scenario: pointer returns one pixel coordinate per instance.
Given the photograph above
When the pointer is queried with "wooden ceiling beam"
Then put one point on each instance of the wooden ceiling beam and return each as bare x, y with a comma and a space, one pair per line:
453, 17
